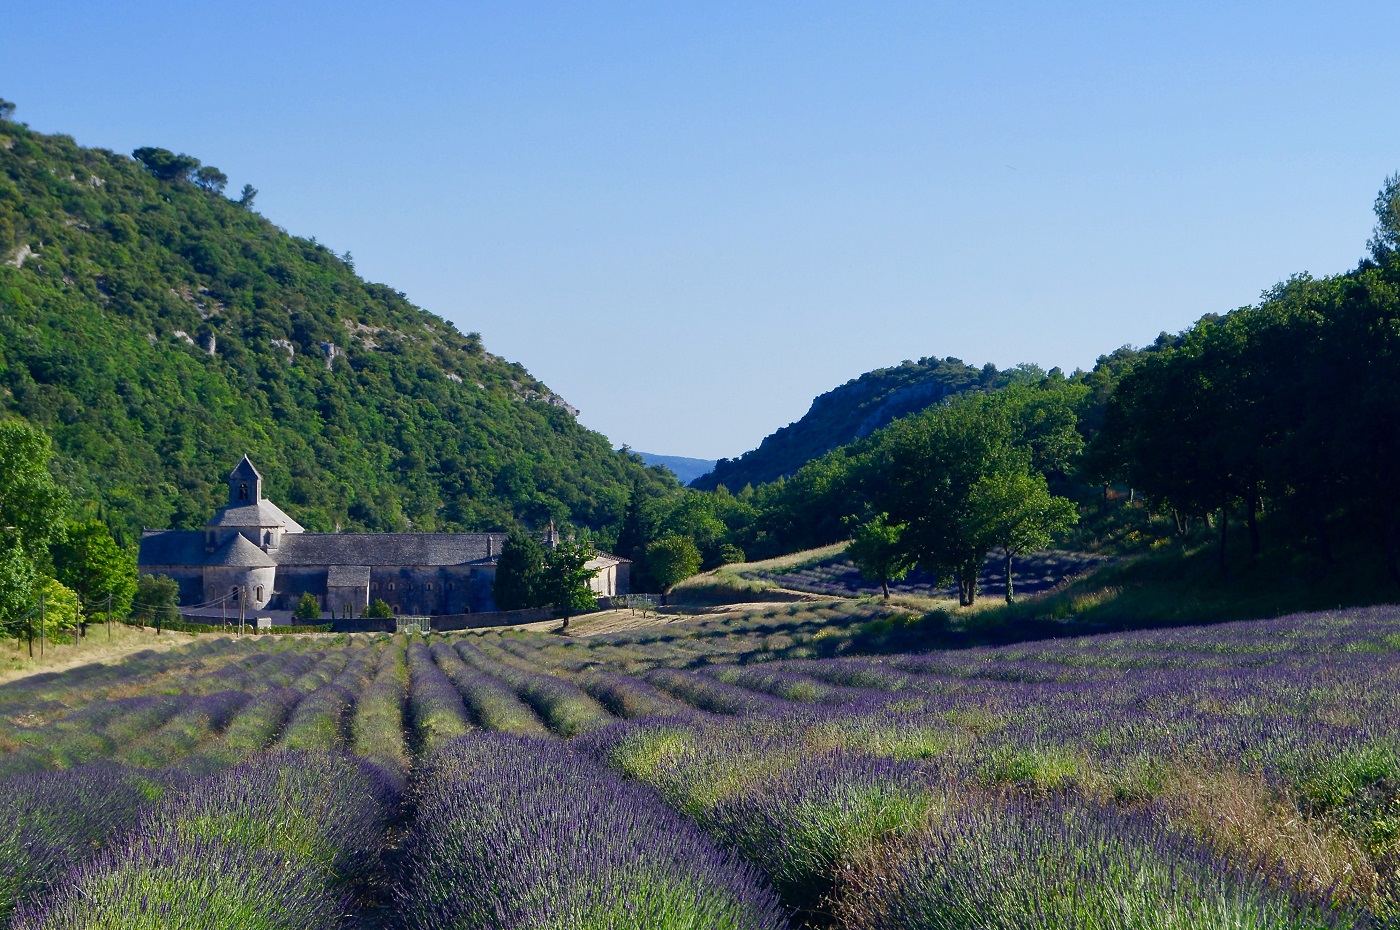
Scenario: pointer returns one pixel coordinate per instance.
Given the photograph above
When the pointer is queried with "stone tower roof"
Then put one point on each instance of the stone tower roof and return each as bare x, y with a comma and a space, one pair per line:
240, 553
263, 514
245, 469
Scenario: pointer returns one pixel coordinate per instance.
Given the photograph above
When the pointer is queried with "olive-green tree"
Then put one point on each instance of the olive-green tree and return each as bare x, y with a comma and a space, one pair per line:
378, 610
1016, 511
565, 579
88, 560
157, 600
308, 608
672, 559
878, 550
32, 507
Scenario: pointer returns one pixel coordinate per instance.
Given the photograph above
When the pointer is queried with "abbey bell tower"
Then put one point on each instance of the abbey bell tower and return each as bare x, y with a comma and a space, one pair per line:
244, 484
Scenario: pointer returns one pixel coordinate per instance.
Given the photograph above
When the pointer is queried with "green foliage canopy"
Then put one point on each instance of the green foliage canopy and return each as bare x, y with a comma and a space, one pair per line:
308, 608
564, 582
89, 561
672, 559
878, 550
519, 582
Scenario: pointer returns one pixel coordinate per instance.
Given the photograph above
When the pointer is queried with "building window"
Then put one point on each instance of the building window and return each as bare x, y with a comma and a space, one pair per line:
243, 491
260, 597
429, 586
449, 586
374, 586
391, 586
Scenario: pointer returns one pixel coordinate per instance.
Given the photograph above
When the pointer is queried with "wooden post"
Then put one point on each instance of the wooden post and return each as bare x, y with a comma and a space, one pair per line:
109, 618
43, 621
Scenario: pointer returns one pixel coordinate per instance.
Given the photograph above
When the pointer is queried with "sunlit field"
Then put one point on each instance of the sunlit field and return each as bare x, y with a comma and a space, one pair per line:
713, 774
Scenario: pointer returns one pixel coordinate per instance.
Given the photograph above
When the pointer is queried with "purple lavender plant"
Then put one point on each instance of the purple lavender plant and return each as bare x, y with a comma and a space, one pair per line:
514, 832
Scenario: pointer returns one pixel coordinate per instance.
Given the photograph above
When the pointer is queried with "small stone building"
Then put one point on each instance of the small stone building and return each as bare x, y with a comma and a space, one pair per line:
252, 549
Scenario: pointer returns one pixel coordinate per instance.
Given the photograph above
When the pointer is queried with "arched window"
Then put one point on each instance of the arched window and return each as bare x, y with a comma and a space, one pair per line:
260, 597
374, 586
267, 538
391, 586
243, 491
429, 586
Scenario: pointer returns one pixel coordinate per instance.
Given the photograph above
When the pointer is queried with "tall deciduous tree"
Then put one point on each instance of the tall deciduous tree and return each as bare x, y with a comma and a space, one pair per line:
1016, 511
157, 600
90, 562
31, 514
672, 559
923, 469
878, 550
564, 583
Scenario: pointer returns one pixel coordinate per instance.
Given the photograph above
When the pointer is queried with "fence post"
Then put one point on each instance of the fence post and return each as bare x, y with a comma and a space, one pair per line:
43, 622
109, 618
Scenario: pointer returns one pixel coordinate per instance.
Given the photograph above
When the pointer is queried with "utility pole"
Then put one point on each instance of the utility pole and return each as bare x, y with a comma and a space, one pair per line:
242, 596
109, 618
43, 621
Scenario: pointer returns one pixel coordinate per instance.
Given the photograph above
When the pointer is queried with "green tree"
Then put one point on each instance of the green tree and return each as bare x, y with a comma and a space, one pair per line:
378, 610
7, 110
32, 504
17, 585
88, 560
31, 515
247, 196
519, 573
61, 609
165, 164
672, 559
564, 582
308, 608
1016, 511
157, 600
211, 179
1385, 238
922, 472
878, 549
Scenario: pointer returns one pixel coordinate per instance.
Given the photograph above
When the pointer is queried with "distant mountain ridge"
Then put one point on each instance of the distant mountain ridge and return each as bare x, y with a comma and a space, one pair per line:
853, 411
158, 330
685, 469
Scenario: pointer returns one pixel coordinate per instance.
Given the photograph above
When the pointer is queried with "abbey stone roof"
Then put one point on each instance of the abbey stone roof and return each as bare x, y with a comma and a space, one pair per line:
245, 469
262, 514
186, 547
238, 551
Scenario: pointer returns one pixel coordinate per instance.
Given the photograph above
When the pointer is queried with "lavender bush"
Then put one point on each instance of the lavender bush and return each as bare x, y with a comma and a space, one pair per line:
515, 832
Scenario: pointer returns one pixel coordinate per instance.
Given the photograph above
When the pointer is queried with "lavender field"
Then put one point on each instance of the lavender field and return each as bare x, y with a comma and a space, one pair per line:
714, 774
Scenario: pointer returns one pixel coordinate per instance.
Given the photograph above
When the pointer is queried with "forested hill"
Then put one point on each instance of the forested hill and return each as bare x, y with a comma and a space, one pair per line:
158, 330
850, 412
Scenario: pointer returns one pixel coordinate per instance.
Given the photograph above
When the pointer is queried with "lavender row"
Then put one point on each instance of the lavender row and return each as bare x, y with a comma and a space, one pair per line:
565, 708
284, 841
518, 832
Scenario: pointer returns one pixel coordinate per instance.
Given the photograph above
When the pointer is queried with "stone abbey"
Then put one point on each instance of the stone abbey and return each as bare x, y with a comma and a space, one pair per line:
251, 549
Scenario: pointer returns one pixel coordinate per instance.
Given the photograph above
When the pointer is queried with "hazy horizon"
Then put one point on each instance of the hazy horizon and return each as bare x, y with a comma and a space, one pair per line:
690, 221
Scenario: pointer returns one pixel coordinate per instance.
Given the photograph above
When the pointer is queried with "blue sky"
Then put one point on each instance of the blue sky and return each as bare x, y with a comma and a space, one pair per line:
689, 219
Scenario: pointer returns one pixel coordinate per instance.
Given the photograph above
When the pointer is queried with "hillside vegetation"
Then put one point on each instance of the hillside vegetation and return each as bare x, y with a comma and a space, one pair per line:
158, 330
850, 412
